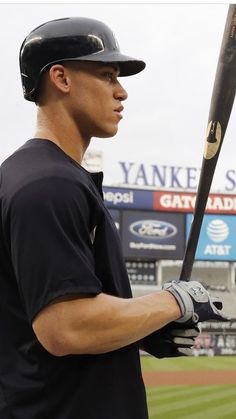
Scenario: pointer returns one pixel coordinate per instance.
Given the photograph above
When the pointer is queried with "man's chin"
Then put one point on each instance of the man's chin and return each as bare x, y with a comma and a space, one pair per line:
108, 133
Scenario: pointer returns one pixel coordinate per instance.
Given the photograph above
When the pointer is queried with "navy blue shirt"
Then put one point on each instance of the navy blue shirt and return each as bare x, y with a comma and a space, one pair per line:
58, 238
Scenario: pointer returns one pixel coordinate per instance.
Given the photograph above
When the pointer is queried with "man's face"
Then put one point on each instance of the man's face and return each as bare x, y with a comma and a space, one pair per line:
95, 98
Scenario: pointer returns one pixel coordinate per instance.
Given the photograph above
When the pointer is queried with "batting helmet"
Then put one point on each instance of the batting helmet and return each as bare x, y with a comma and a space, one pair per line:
69, 39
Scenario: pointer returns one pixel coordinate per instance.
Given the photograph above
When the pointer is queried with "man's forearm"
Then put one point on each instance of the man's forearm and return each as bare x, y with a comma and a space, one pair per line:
102, 323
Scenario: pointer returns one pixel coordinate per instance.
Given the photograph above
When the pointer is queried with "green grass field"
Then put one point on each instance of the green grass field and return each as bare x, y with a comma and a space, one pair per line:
191, 402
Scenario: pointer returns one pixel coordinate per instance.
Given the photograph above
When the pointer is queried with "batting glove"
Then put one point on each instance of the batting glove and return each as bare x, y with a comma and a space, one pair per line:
195, 302
171, 341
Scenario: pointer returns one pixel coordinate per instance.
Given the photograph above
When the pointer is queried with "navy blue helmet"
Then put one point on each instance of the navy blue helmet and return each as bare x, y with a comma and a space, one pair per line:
70, 39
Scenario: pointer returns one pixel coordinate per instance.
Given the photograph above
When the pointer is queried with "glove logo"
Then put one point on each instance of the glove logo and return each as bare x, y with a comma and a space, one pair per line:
197, 290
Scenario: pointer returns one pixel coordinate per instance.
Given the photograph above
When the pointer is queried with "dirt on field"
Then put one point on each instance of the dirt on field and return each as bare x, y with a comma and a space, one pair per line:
168, 378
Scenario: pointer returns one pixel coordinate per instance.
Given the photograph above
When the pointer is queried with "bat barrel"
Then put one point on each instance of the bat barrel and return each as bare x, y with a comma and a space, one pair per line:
220, 109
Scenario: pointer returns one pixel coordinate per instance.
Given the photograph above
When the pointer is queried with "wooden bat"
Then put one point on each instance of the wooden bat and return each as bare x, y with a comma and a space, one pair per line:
220, 109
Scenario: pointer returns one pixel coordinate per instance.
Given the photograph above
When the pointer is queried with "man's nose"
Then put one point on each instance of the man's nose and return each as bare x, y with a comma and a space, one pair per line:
120, 92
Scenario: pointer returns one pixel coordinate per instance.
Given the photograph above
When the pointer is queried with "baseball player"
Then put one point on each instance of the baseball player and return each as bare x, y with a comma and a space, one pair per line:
70, 330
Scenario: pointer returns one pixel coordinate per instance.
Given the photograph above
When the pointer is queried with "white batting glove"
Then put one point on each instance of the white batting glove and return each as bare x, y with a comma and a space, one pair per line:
195, 302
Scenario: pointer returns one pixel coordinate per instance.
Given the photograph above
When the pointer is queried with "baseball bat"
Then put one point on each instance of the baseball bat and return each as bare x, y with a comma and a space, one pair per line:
222, 100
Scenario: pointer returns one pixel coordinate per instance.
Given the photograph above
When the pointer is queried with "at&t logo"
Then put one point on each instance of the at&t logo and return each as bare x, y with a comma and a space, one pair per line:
217, 231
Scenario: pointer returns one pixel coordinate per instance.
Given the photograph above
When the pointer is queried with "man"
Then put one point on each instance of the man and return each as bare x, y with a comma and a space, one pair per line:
70, 329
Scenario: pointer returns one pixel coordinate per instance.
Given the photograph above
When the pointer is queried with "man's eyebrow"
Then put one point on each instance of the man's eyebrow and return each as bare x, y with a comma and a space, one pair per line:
114, 66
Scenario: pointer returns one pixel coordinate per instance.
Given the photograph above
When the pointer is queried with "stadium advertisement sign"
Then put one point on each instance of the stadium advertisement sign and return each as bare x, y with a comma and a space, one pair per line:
127, 198
210, 345
166, 201
217, 239
153, 235
216, 338
185, 202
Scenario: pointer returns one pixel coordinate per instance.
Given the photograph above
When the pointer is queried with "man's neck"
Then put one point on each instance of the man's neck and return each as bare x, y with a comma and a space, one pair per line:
63, 133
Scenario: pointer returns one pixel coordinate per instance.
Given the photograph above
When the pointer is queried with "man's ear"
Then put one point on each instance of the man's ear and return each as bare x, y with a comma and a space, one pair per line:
59, 77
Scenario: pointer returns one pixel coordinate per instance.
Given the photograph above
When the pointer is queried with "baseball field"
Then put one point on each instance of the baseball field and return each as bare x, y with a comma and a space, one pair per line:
191, 388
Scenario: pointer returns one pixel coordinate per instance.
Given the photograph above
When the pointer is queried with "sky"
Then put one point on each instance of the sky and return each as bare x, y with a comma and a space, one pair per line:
165, 116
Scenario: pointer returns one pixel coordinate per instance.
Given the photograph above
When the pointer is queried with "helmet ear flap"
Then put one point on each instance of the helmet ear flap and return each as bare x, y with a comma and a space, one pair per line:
69, 39
28, 84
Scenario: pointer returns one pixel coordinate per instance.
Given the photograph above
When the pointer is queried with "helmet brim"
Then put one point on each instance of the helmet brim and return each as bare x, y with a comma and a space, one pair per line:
128, 66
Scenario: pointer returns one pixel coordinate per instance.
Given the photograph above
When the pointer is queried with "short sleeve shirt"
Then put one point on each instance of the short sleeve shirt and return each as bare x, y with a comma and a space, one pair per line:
59, 239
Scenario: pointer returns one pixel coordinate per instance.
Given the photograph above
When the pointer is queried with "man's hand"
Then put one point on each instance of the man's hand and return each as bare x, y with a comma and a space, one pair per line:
195, 302
171, 341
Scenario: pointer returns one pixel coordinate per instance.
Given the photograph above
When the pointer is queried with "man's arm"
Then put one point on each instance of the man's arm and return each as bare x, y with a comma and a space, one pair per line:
102, 323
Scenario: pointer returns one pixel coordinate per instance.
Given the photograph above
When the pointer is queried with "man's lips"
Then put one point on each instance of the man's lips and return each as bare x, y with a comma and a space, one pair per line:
118, 110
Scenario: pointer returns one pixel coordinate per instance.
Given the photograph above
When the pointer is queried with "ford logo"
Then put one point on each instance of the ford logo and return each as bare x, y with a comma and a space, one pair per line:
153, 229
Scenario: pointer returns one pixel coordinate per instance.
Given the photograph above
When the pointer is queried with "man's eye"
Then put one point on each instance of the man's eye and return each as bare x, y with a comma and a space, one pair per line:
109, 76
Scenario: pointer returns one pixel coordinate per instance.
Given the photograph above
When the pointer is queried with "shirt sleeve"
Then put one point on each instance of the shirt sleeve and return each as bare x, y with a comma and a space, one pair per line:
51, 248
